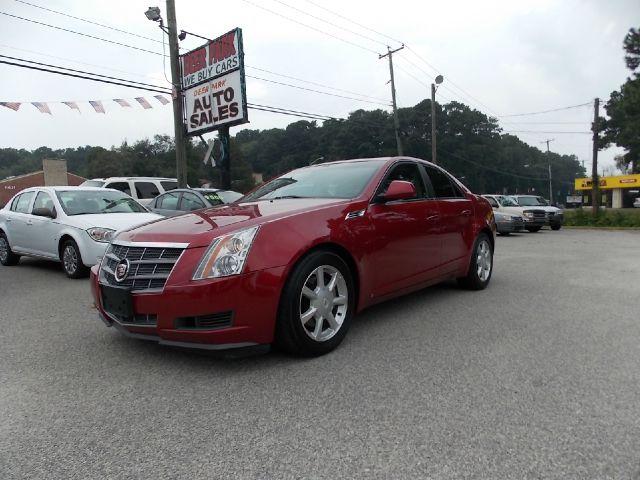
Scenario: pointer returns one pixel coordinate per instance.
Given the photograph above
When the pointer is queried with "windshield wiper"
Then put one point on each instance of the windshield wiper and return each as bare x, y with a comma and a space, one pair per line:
287, 196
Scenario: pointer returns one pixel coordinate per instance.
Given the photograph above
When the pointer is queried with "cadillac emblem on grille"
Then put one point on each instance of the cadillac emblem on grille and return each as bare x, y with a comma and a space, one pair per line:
121, 270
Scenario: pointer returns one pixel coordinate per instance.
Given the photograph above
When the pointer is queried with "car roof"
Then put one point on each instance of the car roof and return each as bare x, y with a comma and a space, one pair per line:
107, 179
63, 188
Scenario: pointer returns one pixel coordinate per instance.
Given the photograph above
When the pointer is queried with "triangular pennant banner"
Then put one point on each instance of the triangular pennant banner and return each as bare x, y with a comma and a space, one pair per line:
12, 105
43, 107
161, 99
97, 106
142, 101
72, 105
121, 102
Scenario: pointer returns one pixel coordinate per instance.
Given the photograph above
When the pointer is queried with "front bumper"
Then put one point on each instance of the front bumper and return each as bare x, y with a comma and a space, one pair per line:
247, 303
510, 226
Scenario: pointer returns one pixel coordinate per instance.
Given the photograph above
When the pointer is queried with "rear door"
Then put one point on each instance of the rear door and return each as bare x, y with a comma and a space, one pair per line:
19, 222
456, 216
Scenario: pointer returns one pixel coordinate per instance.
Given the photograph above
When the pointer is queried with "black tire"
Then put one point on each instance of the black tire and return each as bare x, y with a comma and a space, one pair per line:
556, 227
7, 257
72, 261
533, 229
480, 266
315, 335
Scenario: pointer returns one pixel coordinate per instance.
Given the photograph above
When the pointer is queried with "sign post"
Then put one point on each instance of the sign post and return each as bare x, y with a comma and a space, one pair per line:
215, 91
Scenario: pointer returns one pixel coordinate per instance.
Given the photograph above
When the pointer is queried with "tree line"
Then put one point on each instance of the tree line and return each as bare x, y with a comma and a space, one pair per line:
470, 144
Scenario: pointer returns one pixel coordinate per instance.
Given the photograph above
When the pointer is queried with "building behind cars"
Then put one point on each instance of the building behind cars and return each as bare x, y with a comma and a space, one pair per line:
143, 189
54, 172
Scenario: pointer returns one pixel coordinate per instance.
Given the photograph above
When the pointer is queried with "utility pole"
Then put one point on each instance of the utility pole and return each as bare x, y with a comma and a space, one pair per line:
595, 201
549, 161
181, 150
396, 122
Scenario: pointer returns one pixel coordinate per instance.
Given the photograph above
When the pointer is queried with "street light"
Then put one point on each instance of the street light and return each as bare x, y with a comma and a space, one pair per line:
438, 80
153, 14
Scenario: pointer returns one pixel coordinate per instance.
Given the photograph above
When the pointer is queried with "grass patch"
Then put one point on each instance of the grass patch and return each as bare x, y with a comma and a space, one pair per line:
618, 218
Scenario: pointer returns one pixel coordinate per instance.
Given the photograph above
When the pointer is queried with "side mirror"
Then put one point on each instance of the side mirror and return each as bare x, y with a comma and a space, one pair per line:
398, 190
44, 212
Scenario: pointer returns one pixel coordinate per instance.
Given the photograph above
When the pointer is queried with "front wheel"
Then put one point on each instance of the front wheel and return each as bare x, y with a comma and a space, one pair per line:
72, 261
316, 307
7, 257
533, 229
556, 227
481, 265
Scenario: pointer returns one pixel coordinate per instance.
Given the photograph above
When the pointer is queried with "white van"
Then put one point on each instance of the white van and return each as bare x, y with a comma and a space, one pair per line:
143, 189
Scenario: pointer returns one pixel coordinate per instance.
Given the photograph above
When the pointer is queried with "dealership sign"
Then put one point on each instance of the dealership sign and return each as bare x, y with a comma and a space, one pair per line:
213, 84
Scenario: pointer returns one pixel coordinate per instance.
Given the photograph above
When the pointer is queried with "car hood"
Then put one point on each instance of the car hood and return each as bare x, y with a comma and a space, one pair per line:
114, 221
199, 228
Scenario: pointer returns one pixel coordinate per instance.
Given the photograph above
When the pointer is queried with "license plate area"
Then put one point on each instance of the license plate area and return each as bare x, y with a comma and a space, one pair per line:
118, 302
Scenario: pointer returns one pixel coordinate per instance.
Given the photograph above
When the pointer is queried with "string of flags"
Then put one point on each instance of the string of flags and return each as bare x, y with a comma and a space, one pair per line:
97, 105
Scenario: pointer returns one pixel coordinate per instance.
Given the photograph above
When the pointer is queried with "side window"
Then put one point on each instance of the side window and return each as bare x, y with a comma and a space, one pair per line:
492, 202
21, 204
443, 186
168, 201
43, 200
169, 185
404, 171
146, 190
190, 202
122, 186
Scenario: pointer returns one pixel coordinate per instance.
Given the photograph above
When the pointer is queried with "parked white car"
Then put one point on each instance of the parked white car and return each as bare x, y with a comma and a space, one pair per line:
636, 202
143, 189
534, 217
554, 215
72, 225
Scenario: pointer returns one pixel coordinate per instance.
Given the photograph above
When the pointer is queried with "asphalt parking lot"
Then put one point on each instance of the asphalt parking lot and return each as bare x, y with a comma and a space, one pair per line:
537, 377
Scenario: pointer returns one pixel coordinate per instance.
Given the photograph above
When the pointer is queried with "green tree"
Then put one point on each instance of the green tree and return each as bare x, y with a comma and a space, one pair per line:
623, 108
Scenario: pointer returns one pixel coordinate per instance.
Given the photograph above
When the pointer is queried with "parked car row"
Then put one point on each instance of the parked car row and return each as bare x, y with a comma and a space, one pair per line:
515, 213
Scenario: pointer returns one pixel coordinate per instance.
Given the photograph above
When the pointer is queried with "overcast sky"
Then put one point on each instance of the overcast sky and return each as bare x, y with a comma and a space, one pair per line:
503, 57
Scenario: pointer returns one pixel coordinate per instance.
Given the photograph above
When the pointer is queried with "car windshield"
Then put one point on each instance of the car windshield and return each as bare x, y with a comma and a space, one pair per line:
331, 180
531, 202
508, 202
83, 202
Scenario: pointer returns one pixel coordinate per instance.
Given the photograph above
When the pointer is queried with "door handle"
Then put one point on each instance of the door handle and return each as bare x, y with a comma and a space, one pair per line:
466, 213
432, 217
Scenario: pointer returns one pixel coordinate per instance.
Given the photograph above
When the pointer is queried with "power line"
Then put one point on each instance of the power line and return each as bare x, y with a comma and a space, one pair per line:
545, 132
353, 21
87, 21
330, 23
77, 71
310, 27
87, 78
546, 111
79, 33
314, 83
315, 91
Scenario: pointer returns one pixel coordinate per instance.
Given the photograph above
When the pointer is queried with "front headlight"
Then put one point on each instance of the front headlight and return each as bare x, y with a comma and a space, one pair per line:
226, 255
100, 234
527, 214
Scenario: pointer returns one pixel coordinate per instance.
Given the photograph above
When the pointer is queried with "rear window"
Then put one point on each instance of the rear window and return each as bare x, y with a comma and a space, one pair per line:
169, 185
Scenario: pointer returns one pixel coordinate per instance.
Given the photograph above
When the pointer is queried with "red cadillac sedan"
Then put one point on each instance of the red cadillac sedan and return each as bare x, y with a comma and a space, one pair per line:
291, 263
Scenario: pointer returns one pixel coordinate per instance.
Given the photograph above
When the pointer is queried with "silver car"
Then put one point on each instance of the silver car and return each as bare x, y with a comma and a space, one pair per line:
72, 225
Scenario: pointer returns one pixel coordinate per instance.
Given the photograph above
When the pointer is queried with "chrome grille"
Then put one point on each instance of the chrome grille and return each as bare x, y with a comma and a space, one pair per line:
150, 265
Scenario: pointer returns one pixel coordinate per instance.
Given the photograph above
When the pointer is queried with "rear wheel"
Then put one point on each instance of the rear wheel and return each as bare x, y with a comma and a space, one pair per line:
316, 306
72, 261
556, 227
7, 257
481, 265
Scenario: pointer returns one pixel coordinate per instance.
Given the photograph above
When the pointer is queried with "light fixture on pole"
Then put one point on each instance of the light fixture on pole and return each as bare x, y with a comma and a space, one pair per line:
153, 14
434, 86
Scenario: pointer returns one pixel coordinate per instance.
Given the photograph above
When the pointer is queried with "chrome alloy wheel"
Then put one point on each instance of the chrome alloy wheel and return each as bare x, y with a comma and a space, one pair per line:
483, 260
70, 259
4, 249
323, 304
